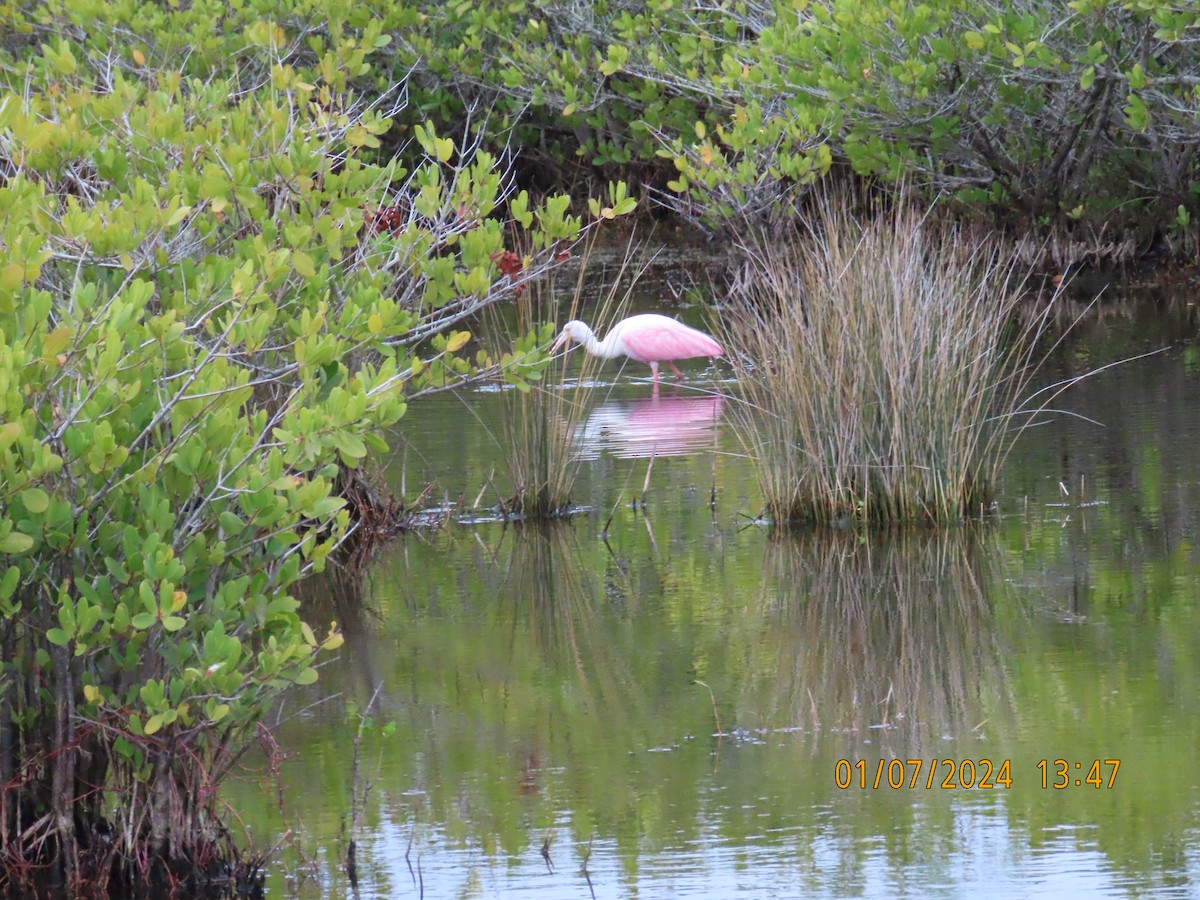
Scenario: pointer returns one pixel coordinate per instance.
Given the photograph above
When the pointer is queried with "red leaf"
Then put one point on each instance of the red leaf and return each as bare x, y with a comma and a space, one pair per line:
509, 263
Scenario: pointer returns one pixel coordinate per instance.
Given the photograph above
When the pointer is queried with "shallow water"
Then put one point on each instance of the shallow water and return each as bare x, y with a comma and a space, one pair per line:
660, 700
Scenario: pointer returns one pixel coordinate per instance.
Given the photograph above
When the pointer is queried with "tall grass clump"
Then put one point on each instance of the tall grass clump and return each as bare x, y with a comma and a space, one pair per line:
543, 415
882, 365
539, 417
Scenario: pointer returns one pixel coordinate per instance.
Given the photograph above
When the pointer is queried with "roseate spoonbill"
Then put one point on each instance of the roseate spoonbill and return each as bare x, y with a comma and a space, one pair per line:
648, 338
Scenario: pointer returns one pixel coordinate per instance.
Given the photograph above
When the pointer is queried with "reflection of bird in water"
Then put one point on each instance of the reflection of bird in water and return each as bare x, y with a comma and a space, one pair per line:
660, 426
648, 338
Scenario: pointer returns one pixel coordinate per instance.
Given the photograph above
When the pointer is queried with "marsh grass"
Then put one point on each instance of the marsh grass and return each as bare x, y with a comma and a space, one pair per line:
539, 424
882, 365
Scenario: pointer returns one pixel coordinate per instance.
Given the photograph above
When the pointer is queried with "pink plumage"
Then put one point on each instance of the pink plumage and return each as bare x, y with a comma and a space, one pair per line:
648, 338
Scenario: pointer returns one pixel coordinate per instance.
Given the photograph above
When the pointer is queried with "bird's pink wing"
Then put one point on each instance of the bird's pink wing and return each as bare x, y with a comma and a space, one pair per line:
662, 343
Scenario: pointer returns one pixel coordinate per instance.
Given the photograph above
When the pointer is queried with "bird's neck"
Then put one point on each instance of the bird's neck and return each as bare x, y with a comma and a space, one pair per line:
605, 349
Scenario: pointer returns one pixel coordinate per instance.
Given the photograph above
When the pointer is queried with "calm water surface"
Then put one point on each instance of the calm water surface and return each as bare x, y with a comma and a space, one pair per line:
659, 701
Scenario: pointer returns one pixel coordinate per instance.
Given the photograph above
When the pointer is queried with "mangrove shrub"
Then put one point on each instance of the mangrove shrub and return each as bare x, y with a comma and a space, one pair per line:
216, 291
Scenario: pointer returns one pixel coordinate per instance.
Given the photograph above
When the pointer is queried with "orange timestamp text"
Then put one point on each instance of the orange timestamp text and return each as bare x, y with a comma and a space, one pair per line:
1065, 773
982, 774
968, 774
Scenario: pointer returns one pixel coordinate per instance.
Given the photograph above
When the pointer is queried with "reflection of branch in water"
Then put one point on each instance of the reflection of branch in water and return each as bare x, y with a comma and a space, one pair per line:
587, 854
882, 636
716, 716
340, 594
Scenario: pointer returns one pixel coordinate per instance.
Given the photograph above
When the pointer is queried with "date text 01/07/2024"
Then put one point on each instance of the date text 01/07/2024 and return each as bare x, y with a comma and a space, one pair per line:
977, 774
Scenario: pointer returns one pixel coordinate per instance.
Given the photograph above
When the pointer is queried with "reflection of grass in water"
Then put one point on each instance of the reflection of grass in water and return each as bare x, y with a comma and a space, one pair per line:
875, 355
539, 424
546, 580
549, 583
894, 631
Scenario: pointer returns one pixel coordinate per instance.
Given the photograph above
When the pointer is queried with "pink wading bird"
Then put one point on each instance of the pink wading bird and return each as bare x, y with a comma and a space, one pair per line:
648, 338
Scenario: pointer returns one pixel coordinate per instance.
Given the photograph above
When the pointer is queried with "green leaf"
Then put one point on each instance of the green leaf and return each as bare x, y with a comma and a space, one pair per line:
15, 543
457, 340
231, 523
151, 693
178, 216
424, 135
58, 637
56, 341
8, 584
35, 500
327, 506
445, 149
1136, 113
303, 263
12, 277
9, 432
350, 444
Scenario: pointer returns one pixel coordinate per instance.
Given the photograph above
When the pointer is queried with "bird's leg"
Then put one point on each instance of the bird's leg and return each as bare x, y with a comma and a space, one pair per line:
675, 369
654, 370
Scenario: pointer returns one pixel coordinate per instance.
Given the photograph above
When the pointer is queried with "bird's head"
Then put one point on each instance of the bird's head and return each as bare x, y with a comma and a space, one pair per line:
574, 332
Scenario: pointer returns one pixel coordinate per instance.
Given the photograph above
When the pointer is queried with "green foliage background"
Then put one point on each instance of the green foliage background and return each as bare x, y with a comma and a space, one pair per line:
1083, 115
